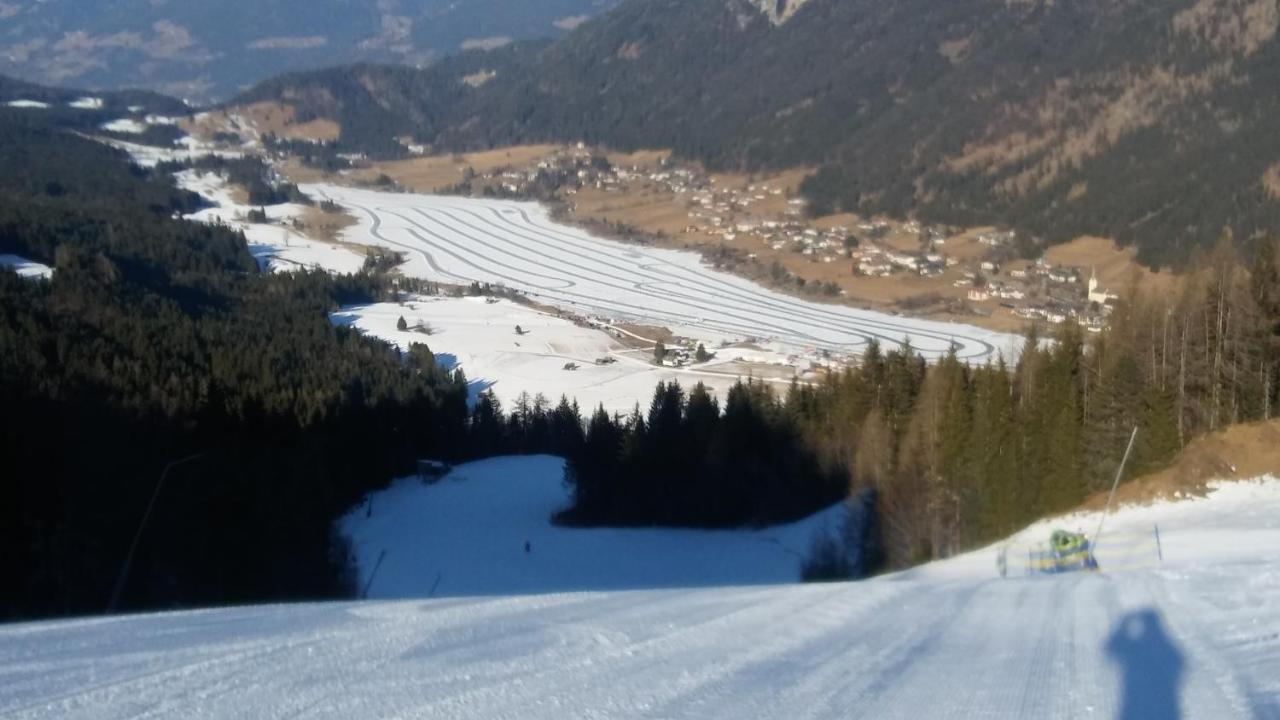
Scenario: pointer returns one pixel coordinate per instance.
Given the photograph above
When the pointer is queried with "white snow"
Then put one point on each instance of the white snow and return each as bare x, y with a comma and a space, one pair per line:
480, 337
30, 104
87, 103
136, 127
465, 535
125, 125
26, 268
276, 245
149, 156
1198, 637
460, 240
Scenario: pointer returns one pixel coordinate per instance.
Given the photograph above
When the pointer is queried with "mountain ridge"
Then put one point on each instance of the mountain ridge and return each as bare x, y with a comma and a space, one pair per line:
209, 51
1144, 120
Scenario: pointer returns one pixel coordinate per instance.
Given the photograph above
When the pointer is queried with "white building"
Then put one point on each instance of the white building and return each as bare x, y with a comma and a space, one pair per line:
1097, 295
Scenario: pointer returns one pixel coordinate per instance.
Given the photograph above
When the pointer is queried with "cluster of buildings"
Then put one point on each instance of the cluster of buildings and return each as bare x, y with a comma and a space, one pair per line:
759, 218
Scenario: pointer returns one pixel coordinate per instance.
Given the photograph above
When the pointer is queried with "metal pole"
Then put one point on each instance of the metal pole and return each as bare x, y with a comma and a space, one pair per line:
364, 594
1119, 472
123, 578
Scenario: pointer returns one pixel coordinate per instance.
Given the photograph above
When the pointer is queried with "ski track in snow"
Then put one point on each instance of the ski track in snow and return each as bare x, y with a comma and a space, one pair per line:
946, 640
462, 240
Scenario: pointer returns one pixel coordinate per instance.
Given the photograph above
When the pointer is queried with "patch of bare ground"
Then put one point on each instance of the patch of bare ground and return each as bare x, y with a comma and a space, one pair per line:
281, 121
643, 336
1117, 268
637, 158
327, 226
297, 172
1237, 452
258, 119
433, 173
1271, 180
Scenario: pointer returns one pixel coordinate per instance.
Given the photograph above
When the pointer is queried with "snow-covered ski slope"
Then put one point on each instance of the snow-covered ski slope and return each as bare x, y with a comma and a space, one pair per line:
461, 240
466, 535
1198, 637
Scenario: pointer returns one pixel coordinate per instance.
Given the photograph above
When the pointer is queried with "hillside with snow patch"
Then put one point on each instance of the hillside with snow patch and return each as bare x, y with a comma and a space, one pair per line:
1195, 637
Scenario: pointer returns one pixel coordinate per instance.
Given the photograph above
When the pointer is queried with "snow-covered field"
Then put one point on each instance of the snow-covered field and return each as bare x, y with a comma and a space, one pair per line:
87, 103
276, 245
148, 156
461, 240
480, 337
26, 268
1198, 637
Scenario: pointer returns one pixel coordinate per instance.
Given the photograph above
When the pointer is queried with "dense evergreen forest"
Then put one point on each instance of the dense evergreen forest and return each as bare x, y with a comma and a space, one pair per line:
157, 339
1146, 121
953, 455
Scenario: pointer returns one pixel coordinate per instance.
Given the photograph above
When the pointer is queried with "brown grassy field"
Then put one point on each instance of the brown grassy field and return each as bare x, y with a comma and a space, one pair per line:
326, 226
265, 117
1117, 268
434, 172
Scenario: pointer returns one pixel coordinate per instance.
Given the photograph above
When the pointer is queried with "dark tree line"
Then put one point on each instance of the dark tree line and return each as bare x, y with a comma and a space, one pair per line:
959, 455
157, 339
946, 456
684, 462
260, 182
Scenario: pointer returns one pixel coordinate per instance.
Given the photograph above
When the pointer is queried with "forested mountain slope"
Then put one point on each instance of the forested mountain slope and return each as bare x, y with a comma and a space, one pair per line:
155, 340
1145, 120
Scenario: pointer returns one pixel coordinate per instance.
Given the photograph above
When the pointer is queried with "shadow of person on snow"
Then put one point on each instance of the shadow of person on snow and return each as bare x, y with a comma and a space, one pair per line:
1151, 666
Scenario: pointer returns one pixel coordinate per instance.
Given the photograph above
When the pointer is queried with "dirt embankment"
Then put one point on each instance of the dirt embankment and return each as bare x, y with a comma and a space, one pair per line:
1234, 453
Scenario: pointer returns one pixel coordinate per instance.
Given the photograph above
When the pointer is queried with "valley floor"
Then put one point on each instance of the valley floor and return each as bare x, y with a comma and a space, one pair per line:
1196, 637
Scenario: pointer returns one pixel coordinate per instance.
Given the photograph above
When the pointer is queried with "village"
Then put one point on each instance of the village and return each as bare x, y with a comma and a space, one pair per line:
761, 229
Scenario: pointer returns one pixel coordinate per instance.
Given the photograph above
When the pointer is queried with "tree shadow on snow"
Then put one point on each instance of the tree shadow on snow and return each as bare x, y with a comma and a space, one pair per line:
1151, 667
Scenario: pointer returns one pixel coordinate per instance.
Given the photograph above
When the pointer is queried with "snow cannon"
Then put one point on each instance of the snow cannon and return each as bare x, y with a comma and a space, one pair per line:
1067, 552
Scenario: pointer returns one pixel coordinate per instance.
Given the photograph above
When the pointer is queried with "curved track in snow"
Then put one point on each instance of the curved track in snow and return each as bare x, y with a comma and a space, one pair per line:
464, 240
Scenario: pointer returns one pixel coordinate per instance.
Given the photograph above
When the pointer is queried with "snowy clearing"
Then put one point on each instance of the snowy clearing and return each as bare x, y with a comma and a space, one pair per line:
28, 104
465, 535
1198, 637
87, 103
125, 125
149, 156
479, 336
275, 245
26, 268
461, 240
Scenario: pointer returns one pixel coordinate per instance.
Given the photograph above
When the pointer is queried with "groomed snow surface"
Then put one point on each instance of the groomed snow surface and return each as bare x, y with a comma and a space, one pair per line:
1196, 637
461, 240
466, 535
